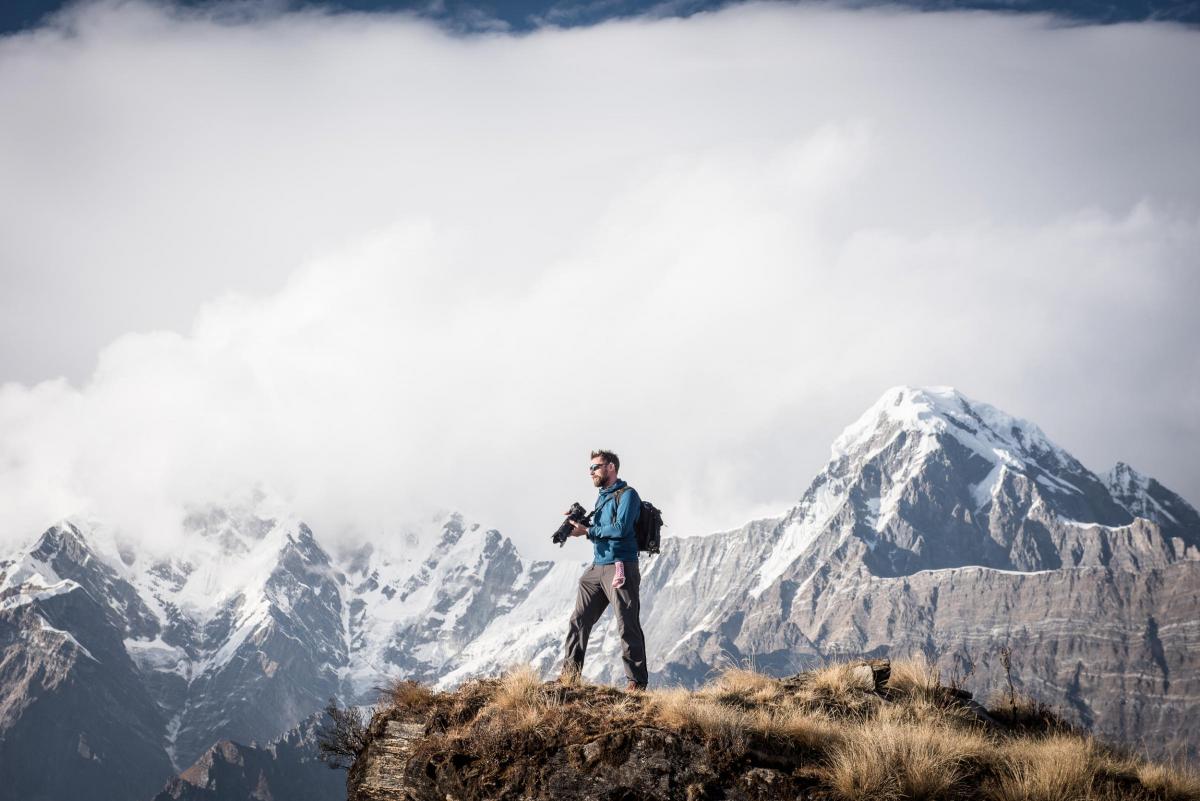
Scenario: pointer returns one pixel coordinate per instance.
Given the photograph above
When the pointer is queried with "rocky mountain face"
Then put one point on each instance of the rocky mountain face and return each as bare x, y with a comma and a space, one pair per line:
940, 525
120, 671
285, 768
70, 695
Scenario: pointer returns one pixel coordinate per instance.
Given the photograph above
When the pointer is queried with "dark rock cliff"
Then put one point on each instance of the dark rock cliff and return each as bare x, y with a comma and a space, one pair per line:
286, 769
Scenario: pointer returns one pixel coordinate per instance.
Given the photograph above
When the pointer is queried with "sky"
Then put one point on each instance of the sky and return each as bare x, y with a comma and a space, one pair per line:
462, 16
526, 15
379, 268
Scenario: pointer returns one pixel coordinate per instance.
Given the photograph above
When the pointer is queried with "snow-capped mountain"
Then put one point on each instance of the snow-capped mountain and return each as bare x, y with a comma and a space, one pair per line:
412, 618
1144, 497
240, 636
939, 524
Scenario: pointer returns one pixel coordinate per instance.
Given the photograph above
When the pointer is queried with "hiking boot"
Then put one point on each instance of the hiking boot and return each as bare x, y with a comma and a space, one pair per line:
570, 676
634, 687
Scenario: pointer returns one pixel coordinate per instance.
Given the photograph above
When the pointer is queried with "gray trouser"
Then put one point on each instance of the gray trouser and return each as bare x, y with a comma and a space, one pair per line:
595, 594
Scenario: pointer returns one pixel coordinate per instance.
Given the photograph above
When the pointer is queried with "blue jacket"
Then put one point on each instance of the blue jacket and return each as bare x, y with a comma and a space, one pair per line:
614, 540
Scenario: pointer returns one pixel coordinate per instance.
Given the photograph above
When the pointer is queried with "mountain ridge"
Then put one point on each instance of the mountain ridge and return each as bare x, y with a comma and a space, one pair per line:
940, 525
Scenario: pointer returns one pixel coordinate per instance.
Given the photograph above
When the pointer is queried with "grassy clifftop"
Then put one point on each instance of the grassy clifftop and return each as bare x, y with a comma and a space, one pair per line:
850, 731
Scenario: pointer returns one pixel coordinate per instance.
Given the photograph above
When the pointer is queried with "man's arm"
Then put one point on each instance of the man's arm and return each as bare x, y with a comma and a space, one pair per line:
629, 506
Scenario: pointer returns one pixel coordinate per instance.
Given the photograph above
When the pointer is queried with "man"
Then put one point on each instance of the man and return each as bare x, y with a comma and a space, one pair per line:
613, 577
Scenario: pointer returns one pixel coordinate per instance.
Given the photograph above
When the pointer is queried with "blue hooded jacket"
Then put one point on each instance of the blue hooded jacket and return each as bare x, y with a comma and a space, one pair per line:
613, 536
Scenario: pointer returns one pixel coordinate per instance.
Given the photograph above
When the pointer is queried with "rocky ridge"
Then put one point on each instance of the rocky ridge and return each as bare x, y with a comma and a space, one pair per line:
849, 731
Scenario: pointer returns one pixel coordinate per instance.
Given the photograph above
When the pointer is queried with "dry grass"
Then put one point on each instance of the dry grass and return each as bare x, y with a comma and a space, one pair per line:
1060, 767
837, 681
917, 711
1169, 782
570, 676
837, 691
726, 727
409, 695
519, 689
802, 729
747, 685
914, 675
885, 761
742, 711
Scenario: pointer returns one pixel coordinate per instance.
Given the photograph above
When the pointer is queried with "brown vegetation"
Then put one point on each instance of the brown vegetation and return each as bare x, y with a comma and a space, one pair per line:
344, 736
827, 734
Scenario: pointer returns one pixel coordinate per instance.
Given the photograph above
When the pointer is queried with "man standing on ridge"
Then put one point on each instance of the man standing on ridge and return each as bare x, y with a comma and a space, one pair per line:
613, 576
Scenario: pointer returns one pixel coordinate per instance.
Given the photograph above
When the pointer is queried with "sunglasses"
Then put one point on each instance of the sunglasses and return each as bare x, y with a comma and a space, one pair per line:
594, 467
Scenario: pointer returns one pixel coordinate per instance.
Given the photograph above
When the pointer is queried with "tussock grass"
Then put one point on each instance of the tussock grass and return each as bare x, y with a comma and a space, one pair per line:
914, 675
408, 695
726, 727
922, 711
888, 760
836, 681
1055, 768
801, 729
721, 715
749, 685
1170, 782
835, 691
519, 690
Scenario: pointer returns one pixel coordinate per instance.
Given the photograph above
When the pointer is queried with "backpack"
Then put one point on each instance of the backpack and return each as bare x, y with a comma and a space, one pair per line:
648, 527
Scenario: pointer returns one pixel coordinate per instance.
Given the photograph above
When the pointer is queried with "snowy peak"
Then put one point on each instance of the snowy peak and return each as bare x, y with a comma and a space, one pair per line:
1145, 497
415, 609
929, 479
972, 440
944, 411
227, 555
29, 577
61, 560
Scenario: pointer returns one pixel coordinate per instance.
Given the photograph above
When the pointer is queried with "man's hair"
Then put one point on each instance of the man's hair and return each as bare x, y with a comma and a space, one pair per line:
610, 457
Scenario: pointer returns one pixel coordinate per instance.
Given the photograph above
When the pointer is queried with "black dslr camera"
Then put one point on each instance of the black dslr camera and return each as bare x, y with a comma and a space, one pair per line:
577, 515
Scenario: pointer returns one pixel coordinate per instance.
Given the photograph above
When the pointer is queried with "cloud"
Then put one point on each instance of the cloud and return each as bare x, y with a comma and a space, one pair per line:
377, 269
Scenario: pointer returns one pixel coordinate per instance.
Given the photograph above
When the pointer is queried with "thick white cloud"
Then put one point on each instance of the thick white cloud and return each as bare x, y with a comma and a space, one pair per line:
434, 271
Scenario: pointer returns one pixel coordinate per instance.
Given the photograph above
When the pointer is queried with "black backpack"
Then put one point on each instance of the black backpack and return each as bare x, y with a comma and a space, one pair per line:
648, 526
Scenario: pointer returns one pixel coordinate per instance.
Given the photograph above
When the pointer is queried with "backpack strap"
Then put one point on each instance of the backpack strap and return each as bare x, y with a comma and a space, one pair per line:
617, 501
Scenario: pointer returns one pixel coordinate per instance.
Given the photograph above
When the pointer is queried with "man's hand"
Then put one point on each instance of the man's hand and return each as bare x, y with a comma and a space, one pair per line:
577, 529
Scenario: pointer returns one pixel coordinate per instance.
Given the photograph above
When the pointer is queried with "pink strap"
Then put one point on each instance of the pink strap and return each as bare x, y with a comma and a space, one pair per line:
619, 576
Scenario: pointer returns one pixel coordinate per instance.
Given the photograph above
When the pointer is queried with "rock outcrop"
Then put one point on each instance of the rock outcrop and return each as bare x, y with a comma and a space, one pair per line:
843, 732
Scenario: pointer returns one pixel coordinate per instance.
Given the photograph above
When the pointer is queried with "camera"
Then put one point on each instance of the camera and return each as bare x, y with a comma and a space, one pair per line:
577, 514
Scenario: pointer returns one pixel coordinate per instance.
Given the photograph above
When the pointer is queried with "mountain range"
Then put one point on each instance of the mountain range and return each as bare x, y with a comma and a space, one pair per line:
940, 525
